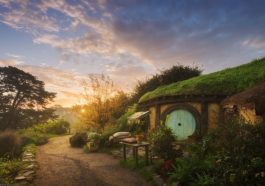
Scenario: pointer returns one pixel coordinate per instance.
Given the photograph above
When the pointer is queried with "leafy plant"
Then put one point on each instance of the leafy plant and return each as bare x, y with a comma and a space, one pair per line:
9, 169
78, 139
161, 142
32, 136
232, 154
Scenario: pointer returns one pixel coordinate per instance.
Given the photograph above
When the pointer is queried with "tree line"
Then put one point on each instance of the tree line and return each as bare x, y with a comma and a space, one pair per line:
24, 100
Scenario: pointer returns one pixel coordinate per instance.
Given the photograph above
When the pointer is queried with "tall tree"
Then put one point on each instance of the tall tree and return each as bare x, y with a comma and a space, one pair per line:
20, 91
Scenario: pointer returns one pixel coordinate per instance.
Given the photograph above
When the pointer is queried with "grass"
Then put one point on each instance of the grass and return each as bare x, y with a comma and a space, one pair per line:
225, 82
145, 171
30, 148
9, 169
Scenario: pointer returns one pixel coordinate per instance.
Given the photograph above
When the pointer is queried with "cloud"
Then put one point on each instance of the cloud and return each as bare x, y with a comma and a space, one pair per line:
66, 84
254, 43
10, 62
21, 16
130, 40
89, 43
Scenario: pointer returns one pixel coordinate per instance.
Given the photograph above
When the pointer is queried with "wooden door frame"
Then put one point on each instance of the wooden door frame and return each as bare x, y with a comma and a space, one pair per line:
184, 106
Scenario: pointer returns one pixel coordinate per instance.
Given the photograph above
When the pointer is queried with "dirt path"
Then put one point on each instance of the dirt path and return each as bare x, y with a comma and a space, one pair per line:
65, 166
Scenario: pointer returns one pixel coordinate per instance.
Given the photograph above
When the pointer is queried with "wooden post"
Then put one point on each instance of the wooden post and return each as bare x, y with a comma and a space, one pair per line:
157, 121
204, 118
147, 154
136, 156
124, 152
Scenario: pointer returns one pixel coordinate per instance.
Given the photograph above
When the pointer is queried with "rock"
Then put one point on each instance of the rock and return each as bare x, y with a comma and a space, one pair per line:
28, 173
28, 154
31, 166
19, 178
29, 160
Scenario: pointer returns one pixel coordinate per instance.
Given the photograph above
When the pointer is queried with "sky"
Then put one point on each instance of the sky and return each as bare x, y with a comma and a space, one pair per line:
62, 42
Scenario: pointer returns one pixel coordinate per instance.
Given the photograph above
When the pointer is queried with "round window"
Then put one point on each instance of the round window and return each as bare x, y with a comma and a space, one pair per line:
182, 123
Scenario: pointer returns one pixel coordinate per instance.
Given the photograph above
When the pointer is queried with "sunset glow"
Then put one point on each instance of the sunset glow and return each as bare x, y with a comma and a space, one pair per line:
63, 41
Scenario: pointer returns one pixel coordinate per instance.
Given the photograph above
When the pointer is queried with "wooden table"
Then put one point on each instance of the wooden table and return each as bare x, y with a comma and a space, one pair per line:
135, 147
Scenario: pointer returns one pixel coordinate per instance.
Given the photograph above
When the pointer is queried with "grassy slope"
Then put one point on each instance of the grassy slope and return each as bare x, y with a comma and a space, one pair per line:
225, 82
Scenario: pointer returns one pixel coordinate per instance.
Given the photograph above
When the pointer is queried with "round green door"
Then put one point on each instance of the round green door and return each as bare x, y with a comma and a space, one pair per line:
182, 123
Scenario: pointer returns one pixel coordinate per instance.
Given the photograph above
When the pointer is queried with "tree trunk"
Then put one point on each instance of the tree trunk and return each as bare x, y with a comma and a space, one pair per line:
12, 110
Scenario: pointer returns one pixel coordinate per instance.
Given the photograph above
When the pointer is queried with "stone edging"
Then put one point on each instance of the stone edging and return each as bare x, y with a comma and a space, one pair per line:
28, 172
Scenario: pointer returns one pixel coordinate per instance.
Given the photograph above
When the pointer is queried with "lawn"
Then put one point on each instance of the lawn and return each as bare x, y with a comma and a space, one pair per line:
225, 82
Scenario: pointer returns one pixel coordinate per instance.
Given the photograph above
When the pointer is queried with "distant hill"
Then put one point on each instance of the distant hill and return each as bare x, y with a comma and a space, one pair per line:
225, 82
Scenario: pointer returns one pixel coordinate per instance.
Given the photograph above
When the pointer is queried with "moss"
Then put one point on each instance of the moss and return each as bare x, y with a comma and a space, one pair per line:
225, 82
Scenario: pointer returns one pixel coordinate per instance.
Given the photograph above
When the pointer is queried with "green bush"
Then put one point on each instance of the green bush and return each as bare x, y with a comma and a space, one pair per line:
9, 169
161, 142
10, 143
94, 137
32, 136
232, 154
78, 139
53, 127
122, 122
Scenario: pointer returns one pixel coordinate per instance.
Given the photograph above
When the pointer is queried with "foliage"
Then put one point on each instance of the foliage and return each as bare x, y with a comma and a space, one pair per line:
29, 117
32, 136
30, 148
142, 169
93, 137
10, 143
9, 169
122, 122
120, 125
161, 142
94, 141
39, 133
20, 93
232, 154
172, 75
78, 139
104, 104
53, 127
225, 82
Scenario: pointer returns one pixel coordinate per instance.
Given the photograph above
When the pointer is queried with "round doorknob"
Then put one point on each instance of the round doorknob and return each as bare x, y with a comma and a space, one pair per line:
179, 124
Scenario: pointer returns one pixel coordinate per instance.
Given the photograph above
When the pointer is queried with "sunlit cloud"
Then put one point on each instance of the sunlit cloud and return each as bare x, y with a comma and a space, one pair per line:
254, 43
131, 40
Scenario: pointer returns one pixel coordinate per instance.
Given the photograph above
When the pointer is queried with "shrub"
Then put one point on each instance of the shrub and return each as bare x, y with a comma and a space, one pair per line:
122, 122
10, 144
161, 142
232, 154
9, 169
31, 136
53, 127
94, 137
78, 140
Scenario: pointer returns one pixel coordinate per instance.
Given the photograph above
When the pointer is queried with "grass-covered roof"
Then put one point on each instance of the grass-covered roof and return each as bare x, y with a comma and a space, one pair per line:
226, 82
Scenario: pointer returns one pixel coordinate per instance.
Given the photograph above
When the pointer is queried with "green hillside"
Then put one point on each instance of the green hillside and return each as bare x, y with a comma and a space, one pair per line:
225, 82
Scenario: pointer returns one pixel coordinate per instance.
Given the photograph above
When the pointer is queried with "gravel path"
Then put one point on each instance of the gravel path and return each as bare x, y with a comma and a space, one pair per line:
65, 166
